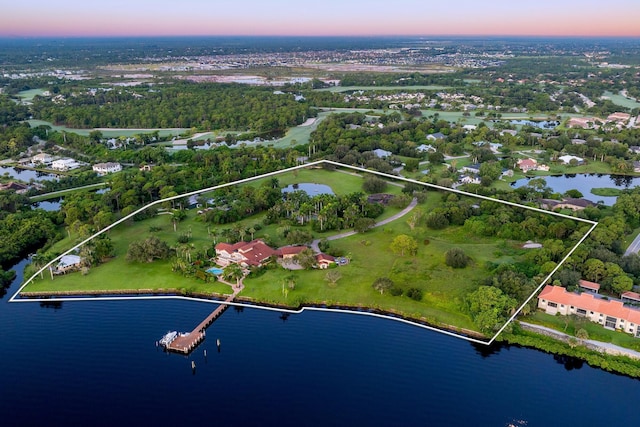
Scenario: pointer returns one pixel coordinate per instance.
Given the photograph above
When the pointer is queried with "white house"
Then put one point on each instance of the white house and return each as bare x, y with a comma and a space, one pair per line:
383, 154
42, 158
566, 159
426, 148
106, 168
64, 164
68, 263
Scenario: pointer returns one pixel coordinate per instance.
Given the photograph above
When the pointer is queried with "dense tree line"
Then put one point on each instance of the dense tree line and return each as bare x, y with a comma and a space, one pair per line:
181, 104
323, 212
24, 232
15, 136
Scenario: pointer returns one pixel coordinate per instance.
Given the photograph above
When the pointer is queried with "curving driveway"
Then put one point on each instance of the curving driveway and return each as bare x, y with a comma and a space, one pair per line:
409, 208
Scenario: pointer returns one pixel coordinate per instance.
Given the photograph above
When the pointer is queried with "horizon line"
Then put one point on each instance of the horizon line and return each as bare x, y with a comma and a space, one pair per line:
453, 35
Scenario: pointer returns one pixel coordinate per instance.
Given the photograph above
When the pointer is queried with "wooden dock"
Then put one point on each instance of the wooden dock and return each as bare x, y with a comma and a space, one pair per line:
186, 343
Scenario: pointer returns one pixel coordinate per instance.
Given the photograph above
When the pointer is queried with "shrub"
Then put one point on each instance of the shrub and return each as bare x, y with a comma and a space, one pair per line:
373, 184
436, 221
396, 291
415, 294
456, 258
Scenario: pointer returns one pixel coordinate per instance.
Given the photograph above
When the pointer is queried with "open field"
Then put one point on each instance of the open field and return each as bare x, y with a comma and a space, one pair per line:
444, 288
620, 100
109, 133
298, 135
28, 95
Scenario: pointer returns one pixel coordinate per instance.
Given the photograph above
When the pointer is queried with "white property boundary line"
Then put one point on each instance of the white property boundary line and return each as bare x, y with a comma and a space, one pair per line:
304, 166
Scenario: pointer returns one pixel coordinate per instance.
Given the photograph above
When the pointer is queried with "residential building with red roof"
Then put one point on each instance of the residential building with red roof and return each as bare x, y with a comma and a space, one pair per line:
527, 164
611, 314
324, 260
256, 253
589, 286
286, 252
253, 253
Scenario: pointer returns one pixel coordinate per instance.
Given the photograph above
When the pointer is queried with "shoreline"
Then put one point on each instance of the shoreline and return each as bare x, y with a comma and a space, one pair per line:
244, 301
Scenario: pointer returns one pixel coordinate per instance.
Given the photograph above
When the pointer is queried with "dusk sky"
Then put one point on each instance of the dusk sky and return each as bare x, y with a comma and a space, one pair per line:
35, 18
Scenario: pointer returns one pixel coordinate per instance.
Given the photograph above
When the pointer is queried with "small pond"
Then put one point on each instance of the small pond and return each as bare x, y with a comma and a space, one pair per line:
309, 188
543, 124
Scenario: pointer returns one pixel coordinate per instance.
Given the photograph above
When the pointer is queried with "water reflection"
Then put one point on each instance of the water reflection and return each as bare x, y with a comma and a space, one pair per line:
56, 305
27, 174
570, 363
487, 350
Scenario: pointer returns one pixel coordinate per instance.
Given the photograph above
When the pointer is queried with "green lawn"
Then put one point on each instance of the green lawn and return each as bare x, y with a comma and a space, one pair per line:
109, 133
620, 100
570, 324
28, 95
606, 192
298, 135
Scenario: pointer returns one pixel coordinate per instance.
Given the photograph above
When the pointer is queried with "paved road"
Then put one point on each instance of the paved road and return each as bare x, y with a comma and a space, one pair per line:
605, 346
410, 206
634, 247
60, 192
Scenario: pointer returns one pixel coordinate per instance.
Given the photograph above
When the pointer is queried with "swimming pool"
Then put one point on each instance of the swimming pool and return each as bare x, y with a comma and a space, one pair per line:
215, 270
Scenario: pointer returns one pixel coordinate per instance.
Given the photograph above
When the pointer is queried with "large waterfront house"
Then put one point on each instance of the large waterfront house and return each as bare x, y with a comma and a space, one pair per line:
611, 314
68, 263
247, 254
257, 253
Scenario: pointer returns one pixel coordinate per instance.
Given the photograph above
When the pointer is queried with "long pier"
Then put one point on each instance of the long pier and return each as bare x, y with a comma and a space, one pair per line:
186, 343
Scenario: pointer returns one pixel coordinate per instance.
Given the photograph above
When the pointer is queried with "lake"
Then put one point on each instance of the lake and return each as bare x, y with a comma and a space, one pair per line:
95, 363
26, 174
584, 183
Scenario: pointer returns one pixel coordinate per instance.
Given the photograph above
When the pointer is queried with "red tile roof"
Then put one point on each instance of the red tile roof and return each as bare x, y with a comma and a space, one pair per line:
254, 252
631, 295
290, 250
587, 301
589, 285
325, 257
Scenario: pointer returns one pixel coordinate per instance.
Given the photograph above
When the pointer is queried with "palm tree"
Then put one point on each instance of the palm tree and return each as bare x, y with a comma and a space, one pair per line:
234, 272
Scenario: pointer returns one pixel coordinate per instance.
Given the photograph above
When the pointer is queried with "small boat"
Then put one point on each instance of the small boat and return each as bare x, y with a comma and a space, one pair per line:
168, 338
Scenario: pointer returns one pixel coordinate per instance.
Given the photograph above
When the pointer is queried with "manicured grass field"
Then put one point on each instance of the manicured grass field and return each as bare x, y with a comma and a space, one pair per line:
444, 288
298, 135
108, 133
28, 95
620, 100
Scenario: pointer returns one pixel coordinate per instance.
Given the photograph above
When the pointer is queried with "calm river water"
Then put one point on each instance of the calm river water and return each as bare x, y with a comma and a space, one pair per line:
96, 363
